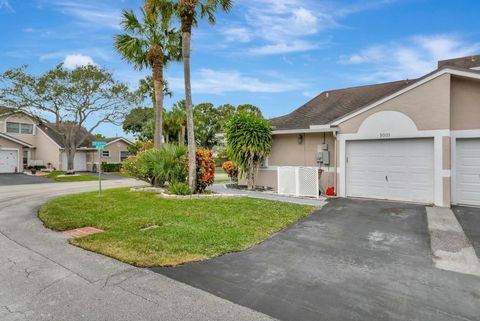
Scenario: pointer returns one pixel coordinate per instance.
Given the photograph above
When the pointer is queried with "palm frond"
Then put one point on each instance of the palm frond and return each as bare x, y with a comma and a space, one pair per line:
132, 49
130, 22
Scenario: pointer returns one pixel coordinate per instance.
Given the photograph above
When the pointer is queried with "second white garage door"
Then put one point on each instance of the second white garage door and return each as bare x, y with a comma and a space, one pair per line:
400, 169
79, 163
8, 161
467, 189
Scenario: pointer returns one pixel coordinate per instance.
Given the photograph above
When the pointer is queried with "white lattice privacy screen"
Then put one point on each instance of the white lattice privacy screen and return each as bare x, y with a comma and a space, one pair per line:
298, 181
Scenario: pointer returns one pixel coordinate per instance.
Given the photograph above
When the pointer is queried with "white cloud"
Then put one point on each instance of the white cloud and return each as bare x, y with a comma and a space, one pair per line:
282, 48
5, 5
210, 81
285, 26
90, 13
237, 34
411, 58
76, 60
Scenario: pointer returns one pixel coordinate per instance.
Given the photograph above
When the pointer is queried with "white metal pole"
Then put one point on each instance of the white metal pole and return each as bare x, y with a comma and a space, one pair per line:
99, 172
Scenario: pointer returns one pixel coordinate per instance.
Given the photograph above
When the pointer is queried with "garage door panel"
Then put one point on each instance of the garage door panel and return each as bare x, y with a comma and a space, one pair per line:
467, 187
8, 161
404, 169
79, 163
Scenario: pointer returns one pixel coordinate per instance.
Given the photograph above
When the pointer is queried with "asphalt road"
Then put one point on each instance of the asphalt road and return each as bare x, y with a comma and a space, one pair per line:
22, 179
42, 277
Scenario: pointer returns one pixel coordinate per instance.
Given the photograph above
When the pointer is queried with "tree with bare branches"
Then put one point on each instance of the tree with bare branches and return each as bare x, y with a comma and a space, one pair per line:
78, 101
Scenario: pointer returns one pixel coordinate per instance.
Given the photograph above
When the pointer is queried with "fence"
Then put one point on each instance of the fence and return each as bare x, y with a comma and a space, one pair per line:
298, 181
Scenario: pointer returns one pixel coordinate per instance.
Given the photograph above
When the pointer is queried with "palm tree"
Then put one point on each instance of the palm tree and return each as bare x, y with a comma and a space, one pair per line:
188, 11
151, 43
179, 117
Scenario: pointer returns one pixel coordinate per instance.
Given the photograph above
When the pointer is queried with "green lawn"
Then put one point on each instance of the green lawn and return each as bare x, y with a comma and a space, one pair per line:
223, 180
188, 230
121, 174
80, 178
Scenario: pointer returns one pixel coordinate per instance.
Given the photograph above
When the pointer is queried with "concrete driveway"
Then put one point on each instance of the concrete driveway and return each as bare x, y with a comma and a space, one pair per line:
42, 277
351, 260
469, 218
22, 179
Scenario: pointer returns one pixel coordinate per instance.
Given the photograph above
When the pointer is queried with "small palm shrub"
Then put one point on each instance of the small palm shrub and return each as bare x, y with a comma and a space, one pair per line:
231, 169
158, 166
179, 189
205, 169
249, 141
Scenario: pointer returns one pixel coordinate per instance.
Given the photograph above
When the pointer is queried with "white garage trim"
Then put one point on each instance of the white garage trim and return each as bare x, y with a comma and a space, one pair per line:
458, 134
19, 168
395, 125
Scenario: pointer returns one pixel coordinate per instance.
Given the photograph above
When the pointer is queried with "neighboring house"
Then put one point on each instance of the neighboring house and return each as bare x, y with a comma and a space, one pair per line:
412, 140
26, 141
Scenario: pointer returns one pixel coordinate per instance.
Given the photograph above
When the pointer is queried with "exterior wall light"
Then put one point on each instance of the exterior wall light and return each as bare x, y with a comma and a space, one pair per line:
300, 139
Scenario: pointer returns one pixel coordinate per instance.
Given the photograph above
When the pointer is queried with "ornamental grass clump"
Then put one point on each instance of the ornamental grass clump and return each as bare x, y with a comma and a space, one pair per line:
249, 141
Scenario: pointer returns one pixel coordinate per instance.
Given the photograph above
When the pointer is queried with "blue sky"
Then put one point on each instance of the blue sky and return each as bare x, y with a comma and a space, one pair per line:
276, 54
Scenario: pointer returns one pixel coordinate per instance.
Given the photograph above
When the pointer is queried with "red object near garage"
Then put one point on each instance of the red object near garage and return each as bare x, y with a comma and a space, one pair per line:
330, 191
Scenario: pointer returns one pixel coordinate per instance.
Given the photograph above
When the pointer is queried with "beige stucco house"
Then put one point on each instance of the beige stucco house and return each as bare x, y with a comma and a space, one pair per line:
26, 141
413, 140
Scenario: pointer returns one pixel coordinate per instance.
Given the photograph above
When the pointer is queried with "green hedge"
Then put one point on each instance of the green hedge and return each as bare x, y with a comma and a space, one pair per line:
111, 167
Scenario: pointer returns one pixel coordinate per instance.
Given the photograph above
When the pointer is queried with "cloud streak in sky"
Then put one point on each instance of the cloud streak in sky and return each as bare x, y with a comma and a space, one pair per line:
209, 81
410, 58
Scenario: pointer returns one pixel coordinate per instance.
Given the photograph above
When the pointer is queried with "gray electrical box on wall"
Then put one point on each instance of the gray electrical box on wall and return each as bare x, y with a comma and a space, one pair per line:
323, 157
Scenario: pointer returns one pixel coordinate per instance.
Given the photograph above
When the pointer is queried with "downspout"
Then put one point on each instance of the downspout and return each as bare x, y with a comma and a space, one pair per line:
336, 161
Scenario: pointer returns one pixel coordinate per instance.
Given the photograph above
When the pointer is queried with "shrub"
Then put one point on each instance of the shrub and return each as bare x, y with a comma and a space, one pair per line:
179, 189
231, 169
140, 146
157, 166
135, 166
205, 169
249, 141
111, 167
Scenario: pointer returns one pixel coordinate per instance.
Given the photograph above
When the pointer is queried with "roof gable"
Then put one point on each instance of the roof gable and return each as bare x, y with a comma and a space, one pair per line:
331, 105
336, 106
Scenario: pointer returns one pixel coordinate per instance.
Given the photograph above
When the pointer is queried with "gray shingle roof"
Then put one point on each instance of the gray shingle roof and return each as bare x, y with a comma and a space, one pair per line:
55, 133
333, 104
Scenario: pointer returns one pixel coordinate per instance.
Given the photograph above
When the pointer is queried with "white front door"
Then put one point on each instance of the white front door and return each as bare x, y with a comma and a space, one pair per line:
467, 177
79, 163
397, 169
8, 161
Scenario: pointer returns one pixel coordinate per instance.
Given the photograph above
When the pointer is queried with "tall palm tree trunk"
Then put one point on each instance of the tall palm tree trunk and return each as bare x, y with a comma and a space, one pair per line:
192, 170
155, 57
181, 139
159, 97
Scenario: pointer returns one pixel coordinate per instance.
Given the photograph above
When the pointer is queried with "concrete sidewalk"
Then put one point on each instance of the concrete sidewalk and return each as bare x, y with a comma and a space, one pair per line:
221, 188
42, 277
451, 248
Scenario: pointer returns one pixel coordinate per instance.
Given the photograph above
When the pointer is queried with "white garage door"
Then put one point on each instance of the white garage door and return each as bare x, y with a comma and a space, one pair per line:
468, 172
8, 161
79, 163
400, 169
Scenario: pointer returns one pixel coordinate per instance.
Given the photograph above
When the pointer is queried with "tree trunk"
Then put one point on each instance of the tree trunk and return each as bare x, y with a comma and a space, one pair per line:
159, 96
181, 138
192, 170
70, 160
